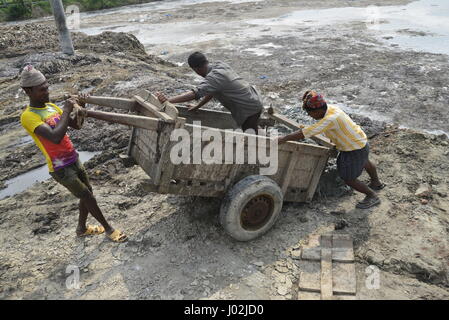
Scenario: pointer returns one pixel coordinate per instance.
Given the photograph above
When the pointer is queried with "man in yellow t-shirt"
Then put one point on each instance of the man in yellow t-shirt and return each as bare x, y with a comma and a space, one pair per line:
350, 141
47, 124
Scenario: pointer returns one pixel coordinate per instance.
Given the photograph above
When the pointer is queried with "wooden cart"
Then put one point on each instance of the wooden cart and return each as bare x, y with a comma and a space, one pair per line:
251, 202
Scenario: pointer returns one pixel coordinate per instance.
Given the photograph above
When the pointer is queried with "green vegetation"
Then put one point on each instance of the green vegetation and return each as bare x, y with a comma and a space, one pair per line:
17, 9
11, 10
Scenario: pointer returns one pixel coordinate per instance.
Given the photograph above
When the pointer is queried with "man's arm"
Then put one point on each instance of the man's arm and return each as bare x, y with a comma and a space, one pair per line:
202, 103
295, 136
57, 134
188, 96
81, 100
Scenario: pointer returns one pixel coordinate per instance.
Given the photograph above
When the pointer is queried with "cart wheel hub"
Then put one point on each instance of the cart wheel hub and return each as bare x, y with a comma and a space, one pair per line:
257, 212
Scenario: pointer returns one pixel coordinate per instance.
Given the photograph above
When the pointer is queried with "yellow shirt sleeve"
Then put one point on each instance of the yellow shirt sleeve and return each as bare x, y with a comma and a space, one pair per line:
319, 127
57, 108
30, 121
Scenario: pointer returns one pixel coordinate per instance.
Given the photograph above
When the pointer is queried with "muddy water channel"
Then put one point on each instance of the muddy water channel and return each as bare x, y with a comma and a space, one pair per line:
27, 180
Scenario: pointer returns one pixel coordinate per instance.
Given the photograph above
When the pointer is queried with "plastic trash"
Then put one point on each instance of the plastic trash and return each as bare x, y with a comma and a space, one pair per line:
263, 77
164, 52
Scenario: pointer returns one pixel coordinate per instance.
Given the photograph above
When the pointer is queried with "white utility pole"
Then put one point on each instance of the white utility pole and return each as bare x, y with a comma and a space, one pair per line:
65, 40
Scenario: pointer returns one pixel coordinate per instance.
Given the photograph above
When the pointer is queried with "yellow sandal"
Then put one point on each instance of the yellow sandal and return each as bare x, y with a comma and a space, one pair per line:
118, 236
92, 230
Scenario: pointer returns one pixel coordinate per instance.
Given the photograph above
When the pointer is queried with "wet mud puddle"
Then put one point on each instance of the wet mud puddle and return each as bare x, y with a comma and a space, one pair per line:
421, 25
26, 180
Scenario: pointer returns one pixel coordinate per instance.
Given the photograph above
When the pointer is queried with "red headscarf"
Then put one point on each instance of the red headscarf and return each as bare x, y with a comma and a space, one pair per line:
313, 100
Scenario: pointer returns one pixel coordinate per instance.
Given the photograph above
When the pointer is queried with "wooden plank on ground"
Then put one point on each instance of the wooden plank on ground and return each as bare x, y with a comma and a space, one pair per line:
313, 242
313, 254
312, 250
326, 267
309, 277
344, 297
325, 278
305, 295
342, 250
344, 278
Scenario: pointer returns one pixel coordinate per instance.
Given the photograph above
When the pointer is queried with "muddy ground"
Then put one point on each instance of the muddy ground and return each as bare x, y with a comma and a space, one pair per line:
177, 249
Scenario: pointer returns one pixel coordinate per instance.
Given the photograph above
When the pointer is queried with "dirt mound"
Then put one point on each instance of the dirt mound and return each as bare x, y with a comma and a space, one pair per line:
15, 41
109, 42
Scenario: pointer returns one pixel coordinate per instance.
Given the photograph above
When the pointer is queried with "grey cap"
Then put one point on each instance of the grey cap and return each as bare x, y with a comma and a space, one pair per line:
31, 77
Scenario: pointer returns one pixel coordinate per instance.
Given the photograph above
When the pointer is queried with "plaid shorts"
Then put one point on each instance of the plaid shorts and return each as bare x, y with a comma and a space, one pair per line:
74, 178
350, 164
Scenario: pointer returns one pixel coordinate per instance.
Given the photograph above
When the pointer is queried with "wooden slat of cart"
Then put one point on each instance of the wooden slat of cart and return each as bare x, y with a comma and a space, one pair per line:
142, 138
216, 190
153, 109
112, 102
166, 166
321, 164
166, 107
143, 159
209, 118
288, 171
206, 172
320, 139
125, 119
305, 148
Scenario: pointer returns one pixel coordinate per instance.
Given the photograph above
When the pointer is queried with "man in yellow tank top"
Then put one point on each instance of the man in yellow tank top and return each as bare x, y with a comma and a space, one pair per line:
350, 141
47, 124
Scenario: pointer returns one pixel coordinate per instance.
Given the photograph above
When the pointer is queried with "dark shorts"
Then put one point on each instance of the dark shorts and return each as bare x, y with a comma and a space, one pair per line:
251, 122
74, 178
350, 164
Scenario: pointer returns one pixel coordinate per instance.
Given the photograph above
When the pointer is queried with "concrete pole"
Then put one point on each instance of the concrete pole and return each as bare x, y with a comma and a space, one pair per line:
65, 40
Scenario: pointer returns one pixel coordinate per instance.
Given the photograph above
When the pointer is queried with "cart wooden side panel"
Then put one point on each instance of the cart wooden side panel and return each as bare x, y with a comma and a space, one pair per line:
299, 165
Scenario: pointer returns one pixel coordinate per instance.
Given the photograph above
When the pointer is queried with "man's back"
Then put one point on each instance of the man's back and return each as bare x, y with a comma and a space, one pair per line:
339, 128
233, 92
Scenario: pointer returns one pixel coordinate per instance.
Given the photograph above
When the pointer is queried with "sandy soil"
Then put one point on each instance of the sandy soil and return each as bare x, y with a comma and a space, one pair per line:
177, 249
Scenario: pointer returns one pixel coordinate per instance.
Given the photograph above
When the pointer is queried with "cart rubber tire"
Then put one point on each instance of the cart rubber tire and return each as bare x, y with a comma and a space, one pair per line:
251, 207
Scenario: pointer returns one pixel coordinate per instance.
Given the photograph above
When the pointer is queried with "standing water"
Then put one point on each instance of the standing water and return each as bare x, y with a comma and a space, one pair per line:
26, 180
421, 25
